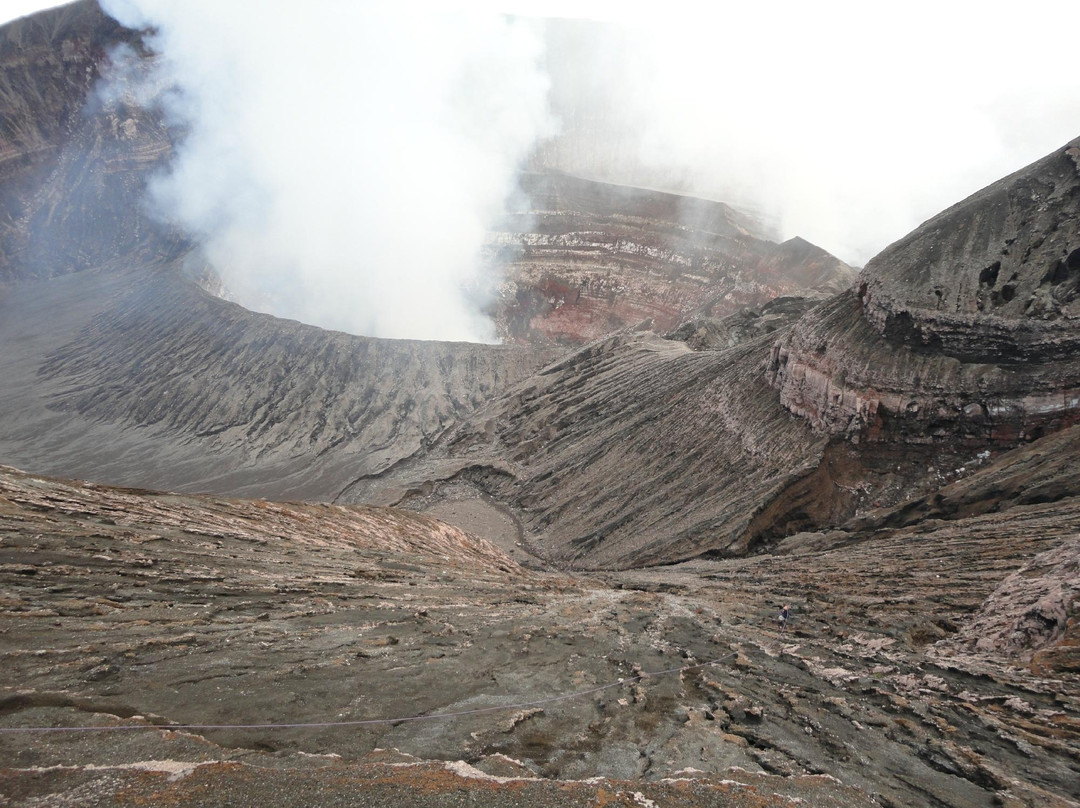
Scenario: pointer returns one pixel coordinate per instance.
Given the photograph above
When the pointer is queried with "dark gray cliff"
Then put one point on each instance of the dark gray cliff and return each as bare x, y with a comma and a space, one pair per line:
967, 329
73, 162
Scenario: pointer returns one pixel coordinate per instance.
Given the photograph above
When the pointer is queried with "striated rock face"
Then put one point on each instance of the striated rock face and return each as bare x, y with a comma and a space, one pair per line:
995, 278
146, 379
586, 258
73, 165
633, 450
967, 329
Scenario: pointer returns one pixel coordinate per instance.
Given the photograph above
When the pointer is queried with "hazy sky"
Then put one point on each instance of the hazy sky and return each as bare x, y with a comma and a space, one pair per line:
389, 138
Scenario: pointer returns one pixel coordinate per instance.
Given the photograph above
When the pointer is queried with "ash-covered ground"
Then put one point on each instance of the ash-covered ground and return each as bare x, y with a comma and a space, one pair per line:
126, 608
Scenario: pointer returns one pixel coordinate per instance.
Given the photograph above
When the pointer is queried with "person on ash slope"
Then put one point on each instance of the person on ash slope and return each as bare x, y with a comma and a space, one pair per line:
782, 618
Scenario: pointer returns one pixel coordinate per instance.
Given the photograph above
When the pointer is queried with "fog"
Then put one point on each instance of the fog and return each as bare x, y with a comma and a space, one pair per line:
344, 160
845, 123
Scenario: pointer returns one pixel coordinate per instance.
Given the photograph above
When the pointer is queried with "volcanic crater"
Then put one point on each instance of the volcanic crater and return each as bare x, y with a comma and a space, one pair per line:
247, 560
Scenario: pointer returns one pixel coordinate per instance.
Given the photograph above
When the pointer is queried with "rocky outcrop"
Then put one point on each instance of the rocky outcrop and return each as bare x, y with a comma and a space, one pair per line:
967, 329
73, 161
585, 258
117, 367
1034, 614
718, 333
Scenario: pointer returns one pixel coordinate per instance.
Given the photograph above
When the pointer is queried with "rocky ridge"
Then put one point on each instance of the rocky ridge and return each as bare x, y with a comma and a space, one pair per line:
74, 160
932, 654
630, 451
967, 329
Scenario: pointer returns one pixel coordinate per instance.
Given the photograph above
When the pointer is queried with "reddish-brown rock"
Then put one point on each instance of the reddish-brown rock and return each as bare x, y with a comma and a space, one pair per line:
587, 258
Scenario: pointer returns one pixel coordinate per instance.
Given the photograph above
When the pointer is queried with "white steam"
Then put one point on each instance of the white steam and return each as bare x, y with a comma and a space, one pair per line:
847, 123
344, 162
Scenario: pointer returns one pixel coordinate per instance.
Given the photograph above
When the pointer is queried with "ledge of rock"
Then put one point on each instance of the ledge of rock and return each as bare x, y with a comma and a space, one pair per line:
966, 329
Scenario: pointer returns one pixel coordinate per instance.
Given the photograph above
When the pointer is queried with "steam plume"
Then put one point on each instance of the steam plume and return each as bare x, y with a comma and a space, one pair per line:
344, 160
344, 163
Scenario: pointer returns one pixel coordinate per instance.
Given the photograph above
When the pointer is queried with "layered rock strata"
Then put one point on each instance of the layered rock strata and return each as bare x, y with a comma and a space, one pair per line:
967, 329
586, 258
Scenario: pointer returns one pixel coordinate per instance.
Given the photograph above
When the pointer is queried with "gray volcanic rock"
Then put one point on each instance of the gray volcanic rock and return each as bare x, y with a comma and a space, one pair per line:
1034, 613
126, 608
633, 450
629, 454
146, 379
968, 329
995, 278
716, 334
931, 654
117, 367
1041, 472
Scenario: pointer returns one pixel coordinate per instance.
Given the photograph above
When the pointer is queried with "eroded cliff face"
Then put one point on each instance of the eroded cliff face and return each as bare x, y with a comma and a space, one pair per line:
586, 258
968, 329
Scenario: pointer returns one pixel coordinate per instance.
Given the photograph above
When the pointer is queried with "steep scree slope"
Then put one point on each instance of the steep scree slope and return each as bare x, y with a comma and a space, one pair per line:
634, 450
145, 379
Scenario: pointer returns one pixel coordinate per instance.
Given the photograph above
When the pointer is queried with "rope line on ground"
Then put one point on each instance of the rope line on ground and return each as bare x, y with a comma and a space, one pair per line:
374, 721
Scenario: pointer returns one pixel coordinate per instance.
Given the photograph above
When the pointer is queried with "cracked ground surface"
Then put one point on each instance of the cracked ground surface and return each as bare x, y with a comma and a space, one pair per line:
131, 608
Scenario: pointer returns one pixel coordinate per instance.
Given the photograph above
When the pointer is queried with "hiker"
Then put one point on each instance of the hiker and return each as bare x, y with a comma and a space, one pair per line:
785, 612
